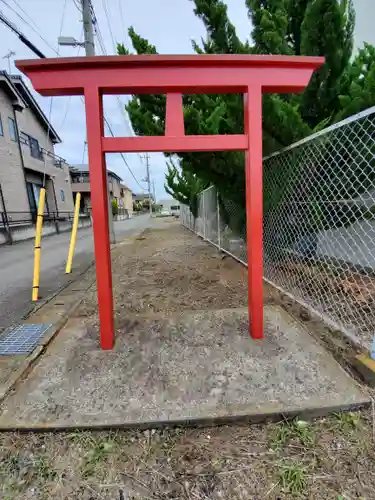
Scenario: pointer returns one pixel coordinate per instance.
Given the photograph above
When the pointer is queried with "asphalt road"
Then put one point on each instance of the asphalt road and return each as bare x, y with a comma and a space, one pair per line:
16, 266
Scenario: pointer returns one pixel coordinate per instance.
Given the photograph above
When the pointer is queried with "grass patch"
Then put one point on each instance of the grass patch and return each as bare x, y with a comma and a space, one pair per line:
285, 431
10, 465
293, 479
280, 436
304, 432
43, 469
95, 456
347, 422
314, 460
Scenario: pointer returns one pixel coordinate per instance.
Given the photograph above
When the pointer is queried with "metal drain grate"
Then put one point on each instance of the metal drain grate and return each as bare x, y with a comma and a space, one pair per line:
22, 339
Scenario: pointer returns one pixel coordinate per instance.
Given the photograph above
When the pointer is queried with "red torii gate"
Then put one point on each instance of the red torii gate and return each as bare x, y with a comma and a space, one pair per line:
173, 75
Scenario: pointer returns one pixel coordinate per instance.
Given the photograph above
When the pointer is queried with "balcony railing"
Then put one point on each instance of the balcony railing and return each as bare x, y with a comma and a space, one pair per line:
80, 179
39, 153
57, 160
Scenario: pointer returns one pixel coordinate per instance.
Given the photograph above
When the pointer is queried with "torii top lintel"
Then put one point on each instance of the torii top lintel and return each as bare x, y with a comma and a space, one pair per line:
173, 75
170, 73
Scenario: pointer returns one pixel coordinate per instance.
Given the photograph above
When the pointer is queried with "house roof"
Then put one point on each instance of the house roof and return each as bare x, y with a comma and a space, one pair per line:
125, 186
30, 102
84, 168
79, 168
140, 196
11, 90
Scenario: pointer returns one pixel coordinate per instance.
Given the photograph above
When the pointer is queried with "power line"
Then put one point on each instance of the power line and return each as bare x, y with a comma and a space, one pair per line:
78, 6
122, 18
51, 98
109, 23
106, 121
61, 25
29, 25
122, 154
70, 97
103, 49
26, 14
21, 36
102, 46
40, 54
120, 104
58, 48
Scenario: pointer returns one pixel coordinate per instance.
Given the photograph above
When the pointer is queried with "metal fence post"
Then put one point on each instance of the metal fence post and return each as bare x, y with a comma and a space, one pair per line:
55, 219
204, 217
218, 219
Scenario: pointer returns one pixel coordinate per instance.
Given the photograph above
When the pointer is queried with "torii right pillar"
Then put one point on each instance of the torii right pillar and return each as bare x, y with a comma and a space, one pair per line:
254, 208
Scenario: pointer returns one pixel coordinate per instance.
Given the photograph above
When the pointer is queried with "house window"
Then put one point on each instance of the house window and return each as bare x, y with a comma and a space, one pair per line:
33, 194
62, 195
1, 127
35, 149
12, 129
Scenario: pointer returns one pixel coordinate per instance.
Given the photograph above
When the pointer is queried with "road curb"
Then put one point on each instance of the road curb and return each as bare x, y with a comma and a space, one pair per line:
236, 418
31, 360
44, 302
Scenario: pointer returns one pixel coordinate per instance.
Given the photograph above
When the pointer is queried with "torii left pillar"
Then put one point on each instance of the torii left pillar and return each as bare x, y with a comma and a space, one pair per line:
173, 75
99, 207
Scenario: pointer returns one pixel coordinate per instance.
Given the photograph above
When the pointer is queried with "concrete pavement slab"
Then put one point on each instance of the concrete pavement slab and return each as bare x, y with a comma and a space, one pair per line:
195, 367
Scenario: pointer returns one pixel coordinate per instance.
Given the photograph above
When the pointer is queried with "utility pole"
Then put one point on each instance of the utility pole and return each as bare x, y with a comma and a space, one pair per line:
90, 51
148, 179
87, 28
153, 189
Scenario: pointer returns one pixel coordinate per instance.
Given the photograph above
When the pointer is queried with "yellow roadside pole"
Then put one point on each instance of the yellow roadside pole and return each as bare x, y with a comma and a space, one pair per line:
73, 237
38, 239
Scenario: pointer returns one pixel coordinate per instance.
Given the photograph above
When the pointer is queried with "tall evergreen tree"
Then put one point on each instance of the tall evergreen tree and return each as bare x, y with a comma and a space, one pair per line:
292, 27
358, 84
327, 29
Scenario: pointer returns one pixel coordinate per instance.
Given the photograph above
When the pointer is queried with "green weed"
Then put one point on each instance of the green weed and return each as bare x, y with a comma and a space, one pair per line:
281, 436
287, 430
303, 432
12, 464
96, 455
347, 421
293, 479
43, 469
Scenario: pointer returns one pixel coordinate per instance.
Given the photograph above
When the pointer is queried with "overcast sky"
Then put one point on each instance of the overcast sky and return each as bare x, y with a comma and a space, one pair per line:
168, 24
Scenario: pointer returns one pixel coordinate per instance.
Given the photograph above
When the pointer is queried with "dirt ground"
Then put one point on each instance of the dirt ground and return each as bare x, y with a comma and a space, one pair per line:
168, 271
161, 273
330, 458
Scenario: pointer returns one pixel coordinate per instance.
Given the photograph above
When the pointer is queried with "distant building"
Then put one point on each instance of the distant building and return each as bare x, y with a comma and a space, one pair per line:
27, 158
80, 178
141, 202
170, 205
141, 197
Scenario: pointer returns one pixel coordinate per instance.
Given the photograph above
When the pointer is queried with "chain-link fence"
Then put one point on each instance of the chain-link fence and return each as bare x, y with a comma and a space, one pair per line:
318, 225
218, 222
